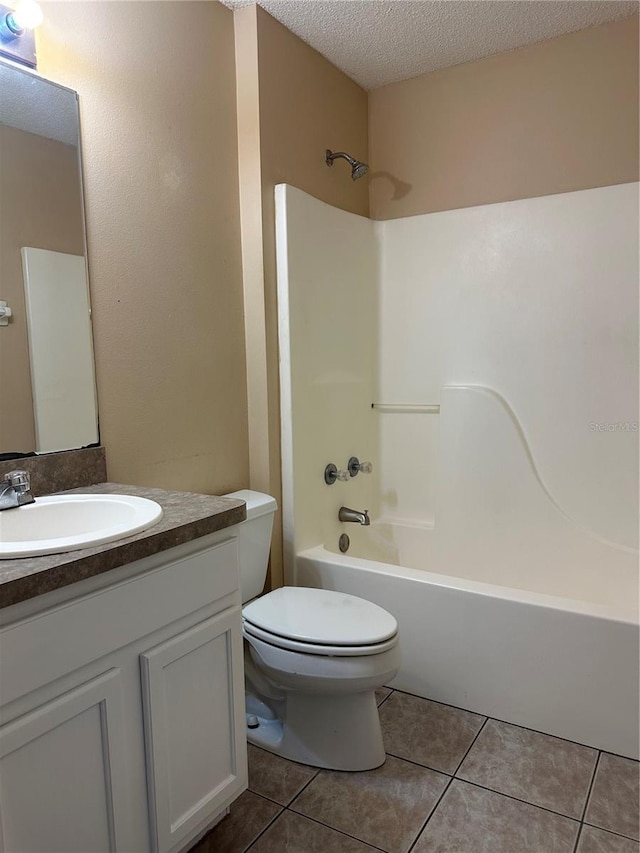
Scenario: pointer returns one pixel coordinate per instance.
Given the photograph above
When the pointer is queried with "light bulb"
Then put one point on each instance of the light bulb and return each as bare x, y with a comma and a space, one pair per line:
28, 15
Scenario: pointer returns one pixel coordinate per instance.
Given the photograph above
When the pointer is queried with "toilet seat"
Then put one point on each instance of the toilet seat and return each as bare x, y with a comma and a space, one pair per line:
320, 622
315, 648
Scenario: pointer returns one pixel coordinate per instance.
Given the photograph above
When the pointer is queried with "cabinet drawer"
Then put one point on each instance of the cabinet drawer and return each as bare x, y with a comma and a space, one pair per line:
48, 646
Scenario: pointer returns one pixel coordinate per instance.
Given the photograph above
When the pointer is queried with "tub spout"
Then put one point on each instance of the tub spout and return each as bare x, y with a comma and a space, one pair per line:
346, 514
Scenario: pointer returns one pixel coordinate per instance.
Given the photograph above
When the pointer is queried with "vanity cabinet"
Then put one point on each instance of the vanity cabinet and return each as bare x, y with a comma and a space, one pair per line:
122, 709
192, 746
63, 772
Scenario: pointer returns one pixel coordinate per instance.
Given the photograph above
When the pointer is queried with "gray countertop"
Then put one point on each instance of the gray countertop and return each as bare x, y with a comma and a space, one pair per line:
186, 516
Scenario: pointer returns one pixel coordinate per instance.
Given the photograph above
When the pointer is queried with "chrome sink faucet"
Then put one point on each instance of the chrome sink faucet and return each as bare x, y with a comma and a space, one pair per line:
15, 490
346, 514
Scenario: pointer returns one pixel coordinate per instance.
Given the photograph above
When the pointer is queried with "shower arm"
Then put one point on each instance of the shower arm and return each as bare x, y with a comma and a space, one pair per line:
330, 156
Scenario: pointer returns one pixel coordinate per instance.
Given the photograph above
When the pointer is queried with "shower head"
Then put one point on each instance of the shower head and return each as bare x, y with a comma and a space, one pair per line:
358, 169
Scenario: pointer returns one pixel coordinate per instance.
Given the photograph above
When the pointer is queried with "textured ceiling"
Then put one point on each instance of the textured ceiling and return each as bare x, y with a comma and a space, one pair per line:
377, 42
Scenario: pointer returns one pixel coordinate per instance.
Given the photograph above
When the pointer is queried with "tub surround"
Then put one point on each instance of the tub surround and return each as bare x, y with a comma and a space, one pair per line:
505, 296
186, 516
57, 472
463, 298
502, 536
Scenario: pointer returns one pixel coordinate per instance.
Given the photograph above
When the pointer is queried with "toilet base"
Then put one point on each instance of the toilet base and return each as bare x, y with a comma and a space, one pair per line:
338, 732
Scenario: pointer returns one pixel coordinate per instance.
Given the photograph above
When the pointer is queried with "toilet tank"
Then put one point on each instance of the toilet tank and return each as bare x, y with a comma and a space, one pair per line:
254, 540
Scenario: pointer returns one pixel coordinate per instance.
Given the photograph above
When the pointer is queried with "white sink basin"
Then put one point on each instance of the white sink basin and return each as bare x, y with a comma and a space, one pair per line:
58, 523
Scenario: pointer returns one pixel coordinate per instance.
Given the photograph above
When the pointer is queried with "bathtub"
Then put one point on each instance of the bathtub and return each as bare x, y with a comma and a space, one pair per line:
538, 657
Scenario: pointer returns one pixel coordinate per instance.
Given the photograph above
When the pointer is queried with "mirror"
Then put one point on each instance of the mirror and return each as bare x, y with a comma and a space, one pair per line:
47, 377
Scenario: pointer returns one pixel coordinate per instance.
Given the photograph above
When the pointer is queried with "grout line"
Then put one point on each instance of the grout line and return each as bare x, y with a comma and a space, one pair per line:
340, 831
436, 769
545, 734
295, 763
450, 777
430, 815
471, 745
509, 723
275, 802
610, 831
448, 785
265, 828
484, 787
264, 797
437, 702
518, 800
305, 786
616, 755
575, 846
593, 780
386, 697
418, 764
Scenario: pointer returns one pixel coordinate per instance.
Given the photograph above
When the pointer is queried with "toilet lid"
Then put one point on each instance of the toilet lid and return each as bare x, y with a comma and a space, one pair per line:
250, 631
320, 616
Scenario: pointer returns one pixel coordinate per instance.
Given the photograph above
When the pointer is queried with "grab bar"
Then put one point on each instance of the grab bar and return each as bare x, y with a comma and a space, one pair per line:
406, 408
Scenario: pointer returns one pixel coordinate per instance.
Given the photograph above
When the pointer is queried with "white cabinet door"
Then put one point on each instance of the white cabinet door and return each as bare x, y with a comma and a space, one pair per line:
193, 699
63, 779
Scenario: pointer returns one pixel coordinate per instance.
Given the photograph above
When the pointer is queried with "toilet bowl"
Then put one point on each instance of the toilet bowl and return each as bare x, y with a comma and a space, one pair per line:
313, 660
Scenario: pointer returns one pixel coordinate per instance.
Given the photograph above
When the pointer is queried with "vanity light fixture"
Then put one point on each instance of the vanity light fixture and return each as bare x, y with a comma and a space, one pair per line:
17, 39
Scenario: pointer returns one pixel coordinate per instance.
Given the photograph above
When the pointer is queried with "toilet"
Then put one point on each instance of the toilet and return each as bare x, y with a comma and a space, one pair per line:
313, 660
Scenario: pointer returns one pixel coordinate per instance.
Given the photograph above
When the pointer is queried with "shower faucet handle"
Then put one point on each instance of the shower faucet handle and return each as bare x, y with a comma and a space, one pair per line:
331, 474
355, 466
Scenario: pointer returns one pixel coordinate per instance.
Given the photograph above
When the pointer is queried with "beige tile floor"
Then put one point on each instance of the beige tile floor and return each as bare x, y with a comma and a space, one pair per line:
453, 782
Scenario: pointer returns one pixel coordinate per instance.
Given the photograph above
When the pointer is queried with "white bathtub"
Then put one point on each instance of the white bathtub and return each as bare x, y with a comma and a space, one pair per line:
568, 666
521, 601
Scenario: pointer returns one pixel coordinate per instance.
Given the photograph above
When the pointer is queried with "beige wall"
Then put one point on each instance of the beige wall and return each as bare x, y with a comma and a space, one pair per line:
41, 207
306, 106
157, 103
158, 106
558, 116
293, 104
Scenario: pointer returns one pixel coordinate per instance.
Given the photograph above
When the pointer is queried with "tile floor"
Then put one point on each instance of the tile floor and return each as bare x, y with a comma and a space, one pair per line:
453, 782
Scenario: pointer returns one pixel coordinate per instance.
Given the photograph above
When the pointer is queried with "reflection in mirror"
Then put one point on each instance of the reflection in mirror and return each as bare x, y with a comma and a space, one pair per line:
47, 383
